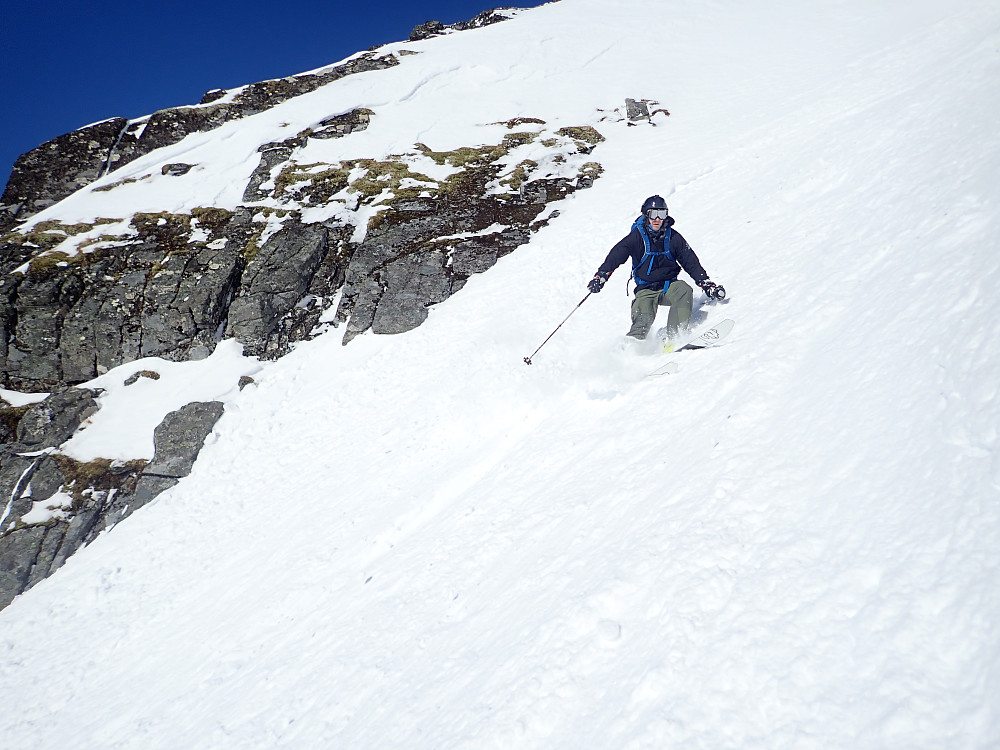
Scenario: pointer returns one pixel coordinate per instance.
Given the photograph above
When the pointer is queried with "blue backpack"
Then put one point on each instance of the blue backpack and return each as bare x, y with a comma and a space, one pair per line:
652, 255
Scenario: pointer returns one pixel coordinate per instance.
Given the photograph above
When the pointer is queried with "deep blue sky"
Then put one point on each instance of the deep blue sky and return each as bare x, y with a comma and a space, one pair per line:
68, 63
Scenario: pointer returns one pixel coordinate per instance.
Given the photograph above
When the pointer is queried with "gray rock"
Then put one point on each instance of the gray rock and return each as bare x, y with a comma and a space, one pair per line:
269, 159
45, 479
123, 505
275, 280
177, 169
186, 301
48, 549
636, 111
474, 256
77, 341
161, 293
57, 168
8, 322
427, 30
341, 125
412, 283
54, 420
75, 535
179, 438
436, 28
18, 553
15, 474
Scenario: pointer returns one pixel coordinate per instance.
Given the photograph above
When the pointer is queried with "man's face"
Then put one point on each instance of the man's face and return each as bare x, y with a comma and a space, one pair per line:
656, 217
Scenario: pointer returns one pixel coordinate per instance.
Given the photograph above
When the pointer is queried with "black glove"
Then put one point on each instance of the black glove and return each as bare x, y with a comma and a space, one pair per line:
712, 291
597, 283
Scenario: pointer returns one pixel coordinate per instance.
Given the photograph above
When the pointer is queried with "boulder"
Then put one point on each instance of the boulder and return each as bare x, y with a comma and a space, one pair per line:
427, 30
179, 438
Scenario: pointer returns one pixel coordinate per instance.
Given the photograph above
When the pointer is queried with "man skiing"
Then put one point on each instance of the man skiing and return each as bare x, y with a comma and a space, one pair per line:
658, 254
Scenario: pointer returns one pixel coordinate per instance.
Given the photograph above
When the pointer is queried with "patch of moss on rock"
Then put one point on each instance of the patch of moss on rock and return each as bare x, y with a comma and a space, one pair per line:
120, 183
134, 378
10, 418
464, 157
317, 184
213, 218
591, 170
47, 234
514, 140
519, 121
323, 182
584, 133
520, 174
378, 176
388, 175
162, 222
99, 475
51, 262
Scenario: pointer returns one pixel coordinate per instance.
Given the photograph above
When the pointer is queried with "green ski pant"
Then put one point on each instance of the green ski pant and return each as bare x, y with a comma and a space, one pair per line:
678, 297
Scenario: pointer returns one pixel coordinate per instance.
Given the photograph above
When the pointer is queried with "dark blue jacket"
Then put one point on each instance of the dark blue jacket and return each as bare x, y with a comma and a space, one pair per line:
652, 271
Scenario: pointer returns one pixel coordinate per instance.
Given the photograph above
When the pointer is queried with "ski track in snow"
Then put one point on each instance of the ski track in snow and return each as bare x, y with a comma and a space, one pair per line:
418, 542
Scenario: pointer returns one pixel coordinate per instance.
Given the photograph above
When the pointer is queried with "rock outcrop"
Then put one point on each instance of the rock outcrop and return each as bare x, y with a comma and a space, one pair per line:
436, 28
78, 300
57, 505
54, 170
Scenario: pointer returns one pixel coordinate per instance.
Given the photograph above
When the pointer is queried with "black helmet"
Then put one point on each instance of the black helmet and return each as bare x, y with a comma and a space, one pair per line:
653, 201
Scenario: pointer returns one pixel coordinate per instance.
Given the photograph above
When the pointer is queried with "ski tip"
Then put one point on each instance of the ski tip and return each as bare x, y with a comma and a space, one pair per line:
668, 369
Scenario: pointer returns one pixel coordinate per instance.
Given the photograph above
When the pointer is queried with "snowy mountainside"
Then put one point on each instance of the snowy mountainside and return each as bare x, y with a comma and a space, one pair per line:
417, 541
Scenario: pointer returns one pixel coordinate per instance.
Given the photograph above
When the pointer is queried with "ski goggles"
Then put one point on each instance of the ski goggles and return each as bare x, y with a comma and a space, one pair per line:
656, 213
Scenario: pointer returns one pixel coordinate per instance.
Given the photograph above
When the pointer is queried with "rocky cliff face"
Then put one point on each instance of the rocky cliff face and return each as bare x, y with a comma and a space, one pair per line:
402, 233
77, 300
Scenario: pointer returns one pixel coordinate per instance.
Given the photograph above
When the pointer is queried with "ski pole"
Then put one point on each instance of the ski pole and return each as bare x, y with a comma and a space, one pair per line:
527, 360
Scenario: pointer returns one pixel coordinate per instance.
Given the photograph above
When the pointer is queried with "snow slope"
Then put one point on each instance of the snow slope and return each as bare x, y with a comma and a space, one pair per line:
418, 542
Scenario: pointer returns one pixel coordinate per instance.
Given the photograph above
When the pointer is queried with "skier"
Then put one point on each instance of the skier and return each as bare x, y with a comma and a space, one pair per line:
658, 253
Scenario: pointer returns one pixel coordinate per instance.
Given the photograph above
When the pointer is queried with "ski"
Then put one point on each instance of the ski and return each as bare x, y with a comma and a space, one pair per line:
668, 369
712, 337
